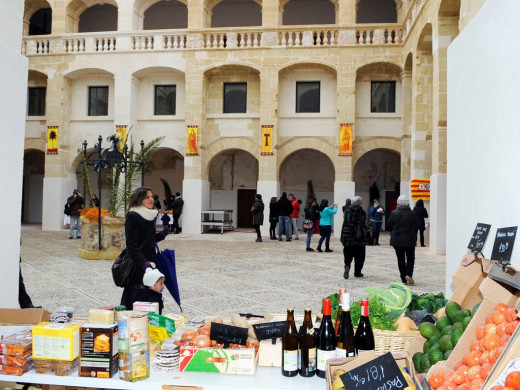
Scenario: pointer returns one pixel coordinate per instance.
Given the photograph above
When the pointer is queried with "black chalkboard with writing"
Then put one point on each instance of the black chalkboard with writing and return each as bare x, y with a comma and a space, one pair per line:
228, 334
380, 373
478, 239
269, 330
504, 241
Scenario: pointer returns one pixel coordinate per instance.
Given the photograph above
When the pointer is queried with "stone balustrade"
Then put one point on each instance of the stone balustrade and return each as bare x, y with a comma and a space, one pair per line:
233, 38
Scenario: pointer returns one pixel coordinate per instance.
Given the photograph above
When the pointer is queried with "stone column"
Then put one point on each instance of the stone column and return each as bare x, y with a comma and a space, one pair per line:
59, 17
125, 14
342, 191
198, 15
125, 96
346, 12
272, 15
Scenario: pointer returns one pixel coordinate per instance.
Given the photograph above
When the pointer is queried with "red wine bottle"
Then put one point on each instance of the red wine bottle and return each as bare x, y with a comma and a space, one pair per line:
326, 340
290, 346
364, 338
345, 346
307, 356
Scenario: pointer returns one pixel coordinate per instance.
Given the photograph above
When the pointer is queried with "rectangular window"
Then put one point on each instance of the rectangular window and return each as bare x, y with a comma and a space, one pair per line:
308, 96
235, 98
382, 96
36, 101
97, 101
165, 96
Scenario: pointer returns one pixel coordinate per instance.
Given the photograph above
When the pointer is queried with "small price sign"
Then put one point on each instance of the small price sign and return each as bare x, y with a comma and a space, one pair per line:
382, 373
478, 239
269, 330
503, 247
228, 334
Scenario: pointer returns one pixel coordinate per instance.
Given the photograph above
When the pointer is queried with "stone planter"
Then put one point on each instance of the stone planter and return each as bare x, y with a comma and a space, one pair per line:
112, 239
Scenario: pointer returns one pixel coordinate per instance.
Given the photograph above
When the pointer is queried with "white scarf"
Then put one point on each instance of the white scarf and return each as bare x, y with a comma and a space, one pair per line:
148, 214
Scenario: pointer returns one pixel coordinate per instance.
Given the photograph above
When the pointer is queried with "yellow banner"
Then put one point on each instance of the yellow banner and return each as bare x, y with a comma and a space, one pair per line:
191, 145
121, 134
345, 139
267, 139
52, 139
420, 189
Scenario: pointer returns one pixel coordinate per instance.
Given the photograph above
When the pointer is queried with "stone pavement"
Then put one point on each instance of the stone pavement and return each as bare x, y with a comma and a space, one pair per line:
218, 274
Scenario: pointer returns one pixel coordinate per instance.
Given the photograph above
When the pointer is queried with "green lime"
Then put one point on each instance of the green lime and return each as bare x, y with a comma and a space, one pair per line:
459, 316
447, 354
451, 308
467, 313
447, 330
458, 326
455, 337
426, 346
445, 343
425, 363
436, 355
417, 360
442, 322
465, 322
428, 330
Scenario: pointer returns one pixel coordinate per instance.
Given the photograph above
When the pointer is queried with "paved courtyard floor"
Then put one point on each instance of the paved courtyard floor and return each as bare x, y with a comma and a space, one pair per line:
218, 274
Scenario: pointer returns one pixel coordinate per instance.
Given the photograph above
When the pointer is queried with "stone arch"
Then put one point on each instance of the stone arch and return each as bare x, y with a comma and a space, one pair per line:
385, 66
31, 8
377, 11
144, 9
448, 8
307, 14
228, 144
220, 15
166, 163
408, 64
299, 64
75, 73
362, 147
75, 8
142, 72
207, 72
424, 43
313, 143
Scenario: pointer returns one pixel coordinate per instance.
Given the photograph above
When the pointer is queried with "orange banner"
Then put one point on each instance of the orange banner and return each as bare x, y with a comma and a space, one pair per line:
420, 189
191, 145
345, 139
52, 139
267, 139
121, 134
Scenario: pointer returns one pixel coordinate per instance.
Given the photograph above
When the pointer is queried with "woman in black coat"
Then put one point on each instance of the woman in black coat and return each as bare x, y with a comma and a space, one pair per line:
404, 224
258, 216
273, 217
421, 214
140, 237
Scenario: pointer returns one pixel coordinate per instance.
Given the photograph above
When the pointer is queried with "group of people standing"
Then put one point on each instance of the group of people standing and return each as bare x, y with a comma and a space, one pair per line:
175, 204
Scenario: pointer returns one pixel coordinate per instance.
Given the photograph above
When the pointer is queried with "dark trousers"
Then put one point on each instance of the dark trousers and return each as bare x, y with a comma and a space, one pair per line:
356, 252
127, 299
257, 230
405, 261
23, 298
421, 236
176, 228
376, 228
325, 231
272, 229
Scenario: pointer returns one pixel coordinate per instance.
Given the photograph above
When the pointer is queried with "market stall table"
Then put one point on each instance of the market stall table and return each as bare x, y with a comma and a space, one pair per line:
266, 378
219, 218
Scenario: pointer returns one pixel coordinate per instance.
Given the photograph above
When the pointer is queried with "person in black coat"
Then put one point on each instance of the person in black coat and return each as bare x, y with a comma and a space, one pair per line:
421, 214
140, 237
151, 289
258, 216
354, 237
285, 208
177, 206
404, 224
273, 218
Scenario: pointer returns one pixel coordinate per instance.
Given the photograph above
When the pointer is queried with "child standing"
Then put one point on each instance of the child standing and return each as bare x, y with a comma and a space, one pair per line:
151, 290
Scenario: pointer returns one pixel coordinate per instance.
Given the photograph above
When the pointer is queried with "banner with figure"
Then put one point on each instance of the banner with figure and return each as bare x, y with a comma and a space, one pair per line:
345, 139
267, 139
52, 139
191, 144
420, 189
121, 134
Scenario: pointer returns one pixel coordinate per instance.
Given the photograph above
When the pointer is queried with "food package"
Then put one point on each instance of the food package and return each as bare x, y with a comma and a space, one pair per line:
147, 306
60, 367
18, 361
134, 358
16, 370
56, 341
99, 350
18, 344
100, 316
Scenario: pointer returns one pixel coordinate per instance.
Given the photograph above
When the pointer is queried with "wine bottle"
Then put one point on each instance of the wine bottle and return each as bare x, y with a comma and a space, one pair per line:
307, 355
326, 340
338, 316
364, 338
345, 346
290, 346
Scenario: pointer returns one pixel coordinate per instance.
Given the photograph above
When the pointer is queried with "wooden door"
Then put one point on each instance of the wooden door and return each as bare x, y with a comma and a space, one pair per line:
245, 200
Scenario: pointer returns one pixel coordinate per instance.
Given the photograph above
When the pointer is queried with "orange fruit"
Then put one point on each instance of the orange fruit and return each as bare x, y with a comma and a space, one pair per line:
504, 339
511, 314
472, 359
489, 318
491, 341
475, 345
474, 372
485, 370
459, 378
484, 358
490, 328
493, 356
499, 351
464, 386
498, 317
513, 380
458, 365
436, 380
477, 383
502, 329
502, 307
480, 331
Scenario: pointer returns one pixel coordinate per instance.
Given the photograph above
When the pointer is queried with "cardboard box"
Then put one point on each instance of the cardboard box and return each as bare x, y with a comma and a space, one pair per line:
493, 293
347, 364
467, 278
240, 361
99, 357
56, 341
23, 316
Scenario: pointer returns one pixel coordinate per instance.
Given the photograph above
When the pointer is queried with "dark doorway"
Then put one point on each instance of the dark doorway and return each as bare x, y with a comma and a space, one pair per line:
245, 200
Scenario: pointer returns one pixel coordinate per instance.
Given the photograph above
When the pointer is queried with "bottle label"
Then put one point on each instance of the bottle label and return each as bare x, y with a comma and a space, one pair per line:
312, 359
341, 353
364, 350
290, 360
351, 354
364, 311
323, 356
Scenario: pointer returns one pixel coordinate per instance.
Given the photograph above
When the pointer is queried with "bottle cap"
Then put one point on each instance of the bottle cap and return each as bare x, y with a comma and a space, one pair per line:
307, 309
290, 309
326, 307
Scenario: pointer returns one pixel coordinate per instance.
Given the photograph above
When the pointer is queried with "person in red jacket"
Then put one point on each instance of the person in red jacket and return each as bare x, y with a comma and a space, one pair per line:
294, 215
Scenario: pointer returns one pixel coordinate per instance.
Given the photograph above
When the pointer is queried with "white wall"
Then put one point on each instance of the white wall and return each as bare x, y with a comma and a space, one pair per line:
13, 95
483, 131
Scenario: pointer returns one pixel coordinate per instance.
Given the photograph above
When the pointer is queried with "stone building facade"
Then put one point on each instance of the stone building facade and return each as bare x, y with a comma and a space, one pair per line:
230, 67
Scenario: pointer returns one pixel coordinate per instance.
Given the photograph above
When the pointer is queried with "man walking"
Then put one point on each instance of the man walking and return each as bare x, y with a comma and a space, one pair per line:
76, 203
285, 208
294, 215
177, 206
353, 237
376, 220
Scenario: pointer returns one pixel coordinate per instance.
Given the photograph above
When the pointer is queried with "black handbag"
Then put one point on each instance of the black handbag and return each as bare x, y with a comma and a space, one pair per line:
123, 269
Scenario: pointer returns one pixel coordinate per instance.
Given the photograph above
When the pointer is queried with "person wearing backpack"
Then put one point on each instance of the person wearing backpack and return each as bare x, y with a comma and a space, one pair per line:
354, 237
75, 203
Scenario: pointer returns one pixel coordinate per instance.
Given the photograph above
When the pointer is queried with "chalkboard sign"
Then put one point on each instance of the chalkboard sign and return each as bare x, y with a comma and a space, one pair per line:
228, 334
478, 239
503, 247
269, 330
380, 373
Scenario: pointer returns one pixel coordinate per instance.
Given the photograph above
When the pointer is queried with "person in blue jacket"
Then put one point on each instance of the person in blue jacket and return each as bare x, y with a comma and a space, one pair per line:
326, 214
376, 220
